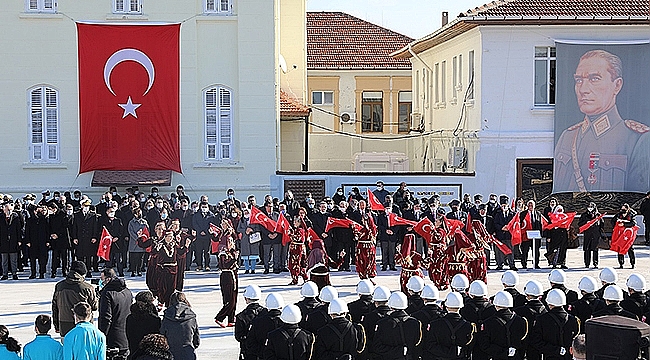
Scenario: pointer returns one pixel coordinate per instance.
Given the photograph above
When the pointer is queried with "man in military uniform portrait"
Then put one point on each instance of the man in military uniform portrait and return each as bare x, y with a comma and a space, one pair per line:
604, 151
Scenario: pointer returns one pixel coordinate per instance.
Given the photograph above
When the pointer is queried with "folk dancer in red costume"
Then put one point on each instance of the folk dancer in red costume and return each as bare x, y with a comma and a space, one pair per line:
149, 243
476, 258
228, 263
410, 260
437, 260
297, 262
167, 252
182, 236
366, 251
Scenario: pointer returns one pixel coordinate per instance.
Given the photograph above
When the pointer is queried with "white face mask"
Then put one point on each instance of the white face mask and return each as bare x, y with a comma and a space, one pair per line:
590, 209
111, 214
233, 214
163, 216
69, 212
85, 209
184, 207
159, 205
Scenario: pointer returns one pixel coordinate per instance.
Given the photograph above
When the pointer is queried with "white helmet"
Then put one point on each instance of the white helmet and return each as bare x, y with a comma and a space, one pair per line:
309, 290
398, 301
274, 301
365, 287
454, 300
608, 275
503, 299
415, 284
381, 293
253, 292
291, 314
510, 278
430, 292
478, 289
328, 293
337, 306
613, 293
459, 282
587, 284
534, 288
636, 282
557, 276
556, 297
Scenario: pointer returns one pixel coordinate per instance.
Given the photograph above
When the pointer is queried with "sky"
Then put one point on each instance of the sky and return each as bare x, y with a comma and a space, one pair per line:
414, 18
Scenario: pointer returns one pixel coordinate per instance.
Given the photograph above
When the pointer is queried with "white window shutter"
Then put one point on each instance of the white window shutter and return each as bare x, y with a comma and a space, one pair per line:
218, 124
225, 123
44, 124
211, 123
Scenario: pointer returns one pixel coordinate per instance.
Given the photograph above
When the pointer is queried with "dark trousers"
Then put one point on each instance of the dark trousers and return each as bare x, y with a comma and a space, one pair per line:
60, 256
91, 262
526, 246
42, 263
630, 253
203, 252
388, 249
190, 251
117, 261
228, 284
502, 258
588, 257
279, 257
7, 260
647, 230
135, 261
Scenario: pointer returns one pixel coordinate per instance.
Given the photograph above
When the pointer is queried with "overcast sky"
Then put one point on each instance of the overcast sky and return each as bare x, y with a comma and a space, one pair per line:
415, 18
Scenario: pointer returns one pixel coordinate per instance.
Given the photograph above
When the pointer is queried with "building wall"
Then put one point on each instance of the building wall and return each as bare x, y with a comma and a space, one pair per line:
236, 51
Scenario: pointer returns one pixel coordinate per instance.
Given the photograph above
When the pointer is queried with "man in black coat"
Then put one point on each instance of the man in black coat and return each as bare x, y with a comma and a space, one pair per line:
636, 302
84, 236
554, 331
37, 239
11, 237
60, 229
342, 238
262, 325
289, 341
502, 335
557, 278
502, 216
592, 235
339, 337
201, 221
398, 335
613, 296
114, 307
533, 308
319, 222
588, 304
535, 224
116, 230
450, 336
387, 237
370, 320
363, 305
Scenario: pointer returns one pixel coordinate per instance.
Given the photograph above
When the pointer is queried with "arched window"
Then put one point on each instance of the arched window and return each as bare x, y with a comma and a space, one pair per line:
43, 124
218, 123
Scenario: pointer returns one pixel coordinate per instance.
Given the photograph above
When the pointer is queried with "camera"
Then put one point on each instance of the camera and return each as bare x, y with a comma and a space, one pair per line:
94, 281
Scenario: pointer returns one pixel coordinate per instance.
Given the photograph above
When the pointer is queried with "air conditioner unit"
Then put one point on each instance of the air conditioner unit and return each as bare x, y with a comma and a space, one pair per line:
439, 165
417, 121
457, 157
347, 118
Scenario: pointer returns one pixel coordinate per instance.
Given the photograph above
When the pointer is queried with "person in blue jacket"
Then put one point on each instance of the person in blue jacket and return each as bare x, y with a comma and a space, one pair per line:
84, 341
9, 347
43, 347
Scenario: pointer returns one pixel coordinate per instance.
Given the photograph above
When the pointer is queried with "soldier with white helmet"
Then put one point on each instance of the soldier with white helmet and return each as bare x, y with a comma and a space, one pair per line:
533, 308
557, 278
460, 284
477, 307
502, 335
450, 336
554, 331
309, 302
340, 339
369, 321
319, 317
262, 325
289, 341
613, 296
636, 302
510, 280
243, 320
398, 335
607, 276
363, 304
431, 310
414, 286
588, 304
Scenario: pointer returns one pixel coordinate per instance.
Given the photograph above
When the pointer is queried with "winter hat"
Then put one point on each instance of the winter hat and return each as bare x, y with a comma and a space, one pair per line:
79, 267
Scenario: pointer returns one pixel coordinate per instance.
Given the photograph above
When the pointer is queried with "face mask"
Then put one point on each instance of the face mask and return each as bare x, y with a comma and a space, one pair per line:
155, 193
311, 206
204, 210
590, 209
283, 211
159, 206
330, 206
339, 192
143, 199
379, 187
184, 207
163, 216
233, 214
111, 214
85, 209
246, 216
114, 193
69, 212
492, 201
195, 209
136, 192
231, 196
149, 207
56, 198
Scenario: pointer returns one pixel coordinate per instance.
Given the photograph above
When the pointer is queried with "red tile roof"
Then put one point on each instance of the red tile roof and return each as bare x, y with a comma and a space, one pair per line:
562, 8
290, 107
106, 178
337, 40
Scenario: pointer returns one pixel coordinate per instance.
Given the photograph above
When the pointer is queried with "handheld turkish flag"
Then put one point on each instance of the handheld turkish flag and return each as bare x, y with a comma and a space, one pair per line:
104, 249
453, 225
312, 234
468, 224
145, 236
514, 227
129, 97
394, 220
561, 220
591, 222
258, 217
341, 223
282, 226
373, 202
425, 229
623, 238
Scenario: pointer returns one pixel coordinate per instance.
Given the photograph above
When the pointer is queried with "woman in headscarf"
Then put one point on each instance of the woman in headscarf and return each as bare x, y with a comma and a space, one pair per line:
319, 264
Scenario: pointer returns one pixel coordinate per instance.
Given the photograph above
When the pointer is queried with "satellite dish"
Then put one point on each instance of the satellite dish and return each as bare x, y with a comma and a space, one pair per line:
283, 64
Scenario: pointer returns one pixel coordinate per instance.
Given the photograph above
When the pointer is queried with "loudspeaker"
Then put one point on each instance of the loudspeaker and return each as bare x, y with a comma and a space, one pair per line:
615, 337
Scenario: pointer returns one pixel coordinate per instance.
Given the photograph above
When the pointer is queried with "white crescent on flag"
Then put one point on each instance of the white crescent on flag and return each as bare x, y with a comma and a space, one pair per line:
427, 228
128, 55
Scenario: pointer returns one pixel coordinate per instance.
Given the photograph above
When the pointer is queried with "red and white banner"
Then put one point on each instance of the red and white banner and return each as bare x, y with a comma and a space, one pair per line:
373, 202
394, 220
260, 218
104, 248
623, 238
129, 97
341, 223
425, 229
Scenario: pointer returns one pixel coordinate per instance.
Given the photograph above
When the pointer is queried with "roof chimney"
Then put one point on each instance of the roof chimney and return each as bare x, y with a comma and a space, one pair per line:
445, 18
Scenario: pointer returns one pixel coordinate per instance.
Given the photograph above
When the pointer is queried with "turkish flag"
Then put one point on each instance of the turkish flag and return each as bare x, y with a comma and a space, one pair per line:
104, 249
514, 227
623, 238
425, 229
282, 226
394, 220
129, 97
453, 225
145, 236
258, 217
312, 234
373, 202
560, 220
586, 226
341, 223
468, 225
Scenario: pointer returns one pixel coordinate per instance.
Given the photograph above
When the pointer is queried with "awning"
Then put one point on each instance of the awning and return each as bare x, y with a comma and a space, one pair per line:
132, 177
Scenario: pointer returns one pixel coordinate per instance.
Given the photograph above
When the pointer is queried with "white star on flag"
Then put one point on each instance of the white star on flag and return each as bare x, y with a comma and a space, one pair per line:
129, 108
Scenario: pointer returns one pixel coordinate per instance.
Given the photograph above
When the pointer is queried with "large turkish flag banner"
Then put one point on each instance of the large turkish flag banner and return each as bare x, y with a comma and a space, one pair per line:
129, 97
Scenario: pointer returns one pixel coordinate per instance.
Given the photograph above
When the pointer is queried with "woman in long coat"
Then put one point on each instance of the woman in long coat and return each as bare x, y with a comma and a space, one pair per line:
250, 252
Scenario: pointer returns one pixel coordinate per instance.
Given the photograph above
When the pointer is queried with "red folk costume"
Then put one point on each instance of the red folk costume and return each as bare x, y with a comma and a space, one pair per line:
437, 261
167, 253
149, 243
319, 264
458, 251
475, 256
410, 260
228, 263
366, 251
297, 261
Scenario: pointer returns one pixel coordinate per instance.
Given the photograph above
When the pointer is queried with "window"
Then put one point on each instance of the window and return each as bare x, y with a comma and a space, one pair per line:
417, 88
405, 99
218, 124
372, 111
41, 5
470, 69
436, 82
218, 6
44, 124
443, 82
322, 98
459, 84
544, 76
127, 6
454, 77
